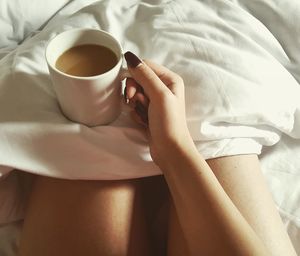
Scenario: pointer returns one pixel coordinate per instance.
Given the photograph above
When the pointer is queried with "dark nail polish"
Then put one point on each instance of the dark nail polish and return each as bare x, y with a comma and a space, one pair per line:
132, 60
142, 112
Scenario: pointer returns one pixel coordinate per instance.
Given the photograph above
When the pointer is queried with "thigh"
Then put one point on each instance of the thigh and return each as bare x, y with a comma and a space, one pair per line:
177, 245
243, 181
155, 194
84, 218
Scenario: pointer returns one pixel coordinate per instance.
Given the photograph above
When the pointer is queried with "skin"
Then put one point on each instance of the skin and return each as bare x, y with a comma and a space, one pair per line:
239, 212
217, 207
84, 218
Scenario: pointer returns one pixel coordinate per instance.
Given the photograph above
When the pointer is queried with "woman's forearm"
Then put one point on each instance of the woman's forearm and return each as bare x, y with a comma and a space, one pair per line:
200, 201
203, 207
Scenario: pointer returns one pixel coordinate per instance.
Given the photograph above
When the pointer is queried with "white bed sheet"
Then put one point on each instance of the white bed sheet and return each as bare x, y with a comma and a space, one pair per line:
222, 61
240, 61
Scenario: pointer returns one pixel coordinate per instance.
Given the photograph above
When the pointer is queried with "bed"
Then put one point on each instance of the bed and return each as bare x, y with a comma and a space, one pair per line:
240, 61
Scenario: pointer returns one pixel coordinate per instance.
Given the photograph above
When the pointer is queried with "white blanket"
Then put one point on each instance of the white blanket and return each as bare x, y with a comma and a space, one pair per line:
240, 62
240, 94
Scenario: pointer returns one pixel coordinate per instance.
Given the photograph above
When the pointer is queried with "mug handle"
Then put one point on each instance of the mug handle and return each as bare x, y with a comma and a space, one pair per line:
141, 110
124, 73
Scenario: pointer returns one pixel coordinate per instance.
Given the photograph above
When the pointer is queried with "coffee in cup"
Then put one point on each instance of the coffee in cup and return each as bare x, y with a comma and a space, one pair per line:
86, 60
85, 66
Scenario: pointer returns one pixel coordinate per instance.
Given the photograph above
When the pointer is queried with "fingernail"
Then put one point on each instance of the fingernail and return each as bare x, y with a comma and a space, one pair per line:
132, 60
125, 96
142, 112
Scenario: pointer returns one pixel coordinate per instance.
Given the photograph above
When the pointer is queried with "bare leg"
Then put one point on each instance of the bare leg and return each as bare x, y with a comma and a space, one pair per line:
176, 241
156, 204
242, 180
84, 218
166, 232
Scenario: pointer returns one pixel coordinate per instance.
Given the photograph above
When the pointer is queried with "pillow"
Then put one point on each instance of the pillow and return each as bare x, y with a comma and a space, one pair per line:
19, 18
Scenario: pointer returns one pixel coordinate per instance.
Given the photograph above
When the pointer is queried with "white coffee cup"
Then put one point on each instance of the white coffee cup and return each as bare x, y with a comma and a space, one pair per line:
94, 100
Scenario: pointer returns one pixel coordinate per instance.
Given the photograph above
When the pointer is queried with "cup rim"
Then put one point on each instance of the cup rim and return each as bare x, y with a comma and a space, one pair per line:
84, 77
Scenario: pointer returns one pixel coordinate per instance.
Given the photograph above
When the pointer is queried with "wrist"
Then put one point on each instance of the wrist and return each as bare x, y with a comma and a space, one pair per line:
172, 153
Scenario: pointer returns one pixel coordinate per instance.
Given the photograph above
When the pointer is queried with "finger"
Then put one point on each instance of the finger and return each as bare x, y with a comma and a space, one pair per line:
131, 88
138, 97
142, 112
137, 118
168, 78
172, 80
134, 92
166, 75
144, 75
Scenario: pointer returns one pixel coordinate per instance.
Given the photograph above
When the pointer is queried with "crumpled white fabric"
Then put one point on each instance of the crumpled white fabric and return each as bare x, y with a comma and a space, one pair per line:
241, 93
19, 18
240, 61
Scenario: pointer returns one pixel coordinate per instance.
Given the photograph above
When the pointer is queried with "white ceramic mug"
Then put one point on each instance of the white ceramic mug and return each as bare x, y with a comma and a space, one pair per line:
94, 100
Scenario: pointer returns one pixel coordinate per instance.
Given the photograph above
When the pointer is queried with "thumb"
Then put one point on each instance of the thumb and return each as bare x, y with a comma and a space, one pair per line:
144, 75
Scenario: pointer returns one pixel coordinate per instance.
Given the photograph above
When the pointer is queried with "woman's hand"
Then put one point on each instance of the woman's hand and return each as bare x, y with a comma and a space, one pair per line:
205, 211
157, 96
